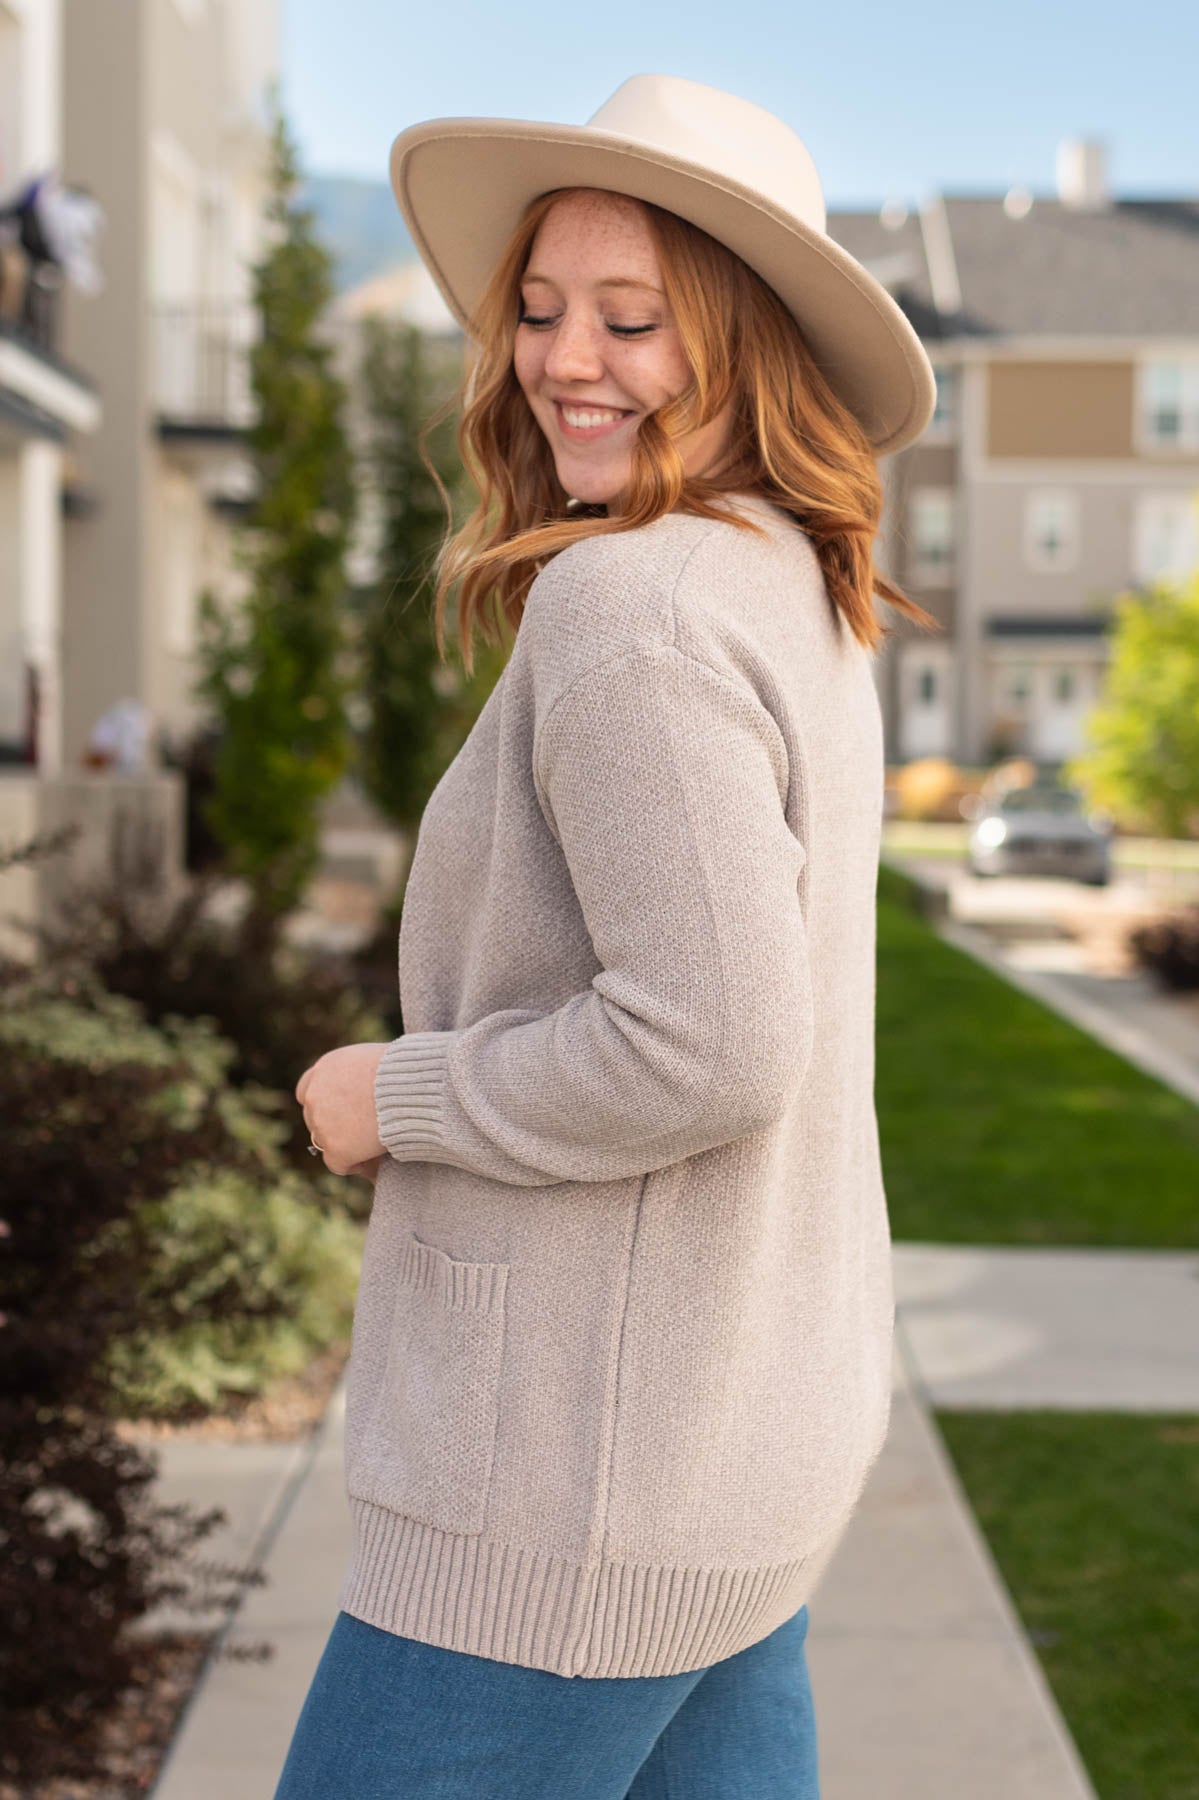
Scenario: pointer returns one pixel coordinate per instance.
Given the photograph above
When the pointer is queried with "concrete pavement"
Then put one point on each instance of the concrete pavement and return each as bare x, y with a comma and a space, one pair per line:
234, 1735
925, 1683
1087, 1329
1011, 926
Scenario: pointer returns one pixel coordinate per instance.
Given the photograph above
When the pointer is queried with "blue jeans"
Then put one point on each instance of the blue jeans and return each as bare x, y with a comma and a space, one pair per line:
389, 1718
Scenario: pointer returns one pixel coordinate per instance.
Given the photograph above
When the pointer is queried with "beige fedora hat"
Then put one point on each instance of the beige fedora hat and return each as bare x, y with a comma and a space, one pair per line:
725, 164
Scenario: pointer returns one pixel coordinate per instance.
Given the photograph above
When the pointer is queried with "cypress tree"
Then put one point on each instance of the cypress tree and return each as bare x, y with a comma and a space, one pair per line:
276, 667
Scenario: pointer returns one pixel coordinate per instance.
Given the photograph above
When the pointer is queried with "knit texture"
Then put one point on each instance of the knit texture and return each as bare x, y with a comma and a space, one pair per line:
622, 1347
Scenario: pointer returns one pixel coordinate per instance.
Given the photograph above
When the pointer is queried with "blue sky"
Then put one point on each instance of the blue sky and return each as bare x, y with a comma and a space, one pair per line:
892, 101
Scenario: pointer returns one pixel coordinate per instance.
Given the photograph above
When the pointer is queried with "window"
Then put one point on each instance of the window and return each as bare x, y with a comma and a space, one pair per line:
926, 692
180, 564
1169, 404
1063, 685
1165, 536
1016, 685
932, 532
1051, 530
946, 409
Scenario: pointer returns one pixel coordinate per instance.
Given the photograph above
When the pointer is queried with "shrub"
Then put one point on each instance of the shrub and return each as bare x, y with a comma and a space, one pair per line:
929, 788
1169, 948
247, 1285
102, 1115
279, 1010
158, 1256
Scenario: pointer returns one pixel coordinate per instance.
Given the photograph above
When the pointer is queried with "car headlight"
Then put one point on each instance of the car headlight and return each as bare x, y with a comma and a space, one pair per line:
991, 832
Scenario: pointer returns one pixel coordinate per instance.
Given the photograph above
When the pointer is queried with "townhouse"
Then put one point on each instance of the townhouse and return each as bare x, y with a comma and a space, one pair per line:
1062, 465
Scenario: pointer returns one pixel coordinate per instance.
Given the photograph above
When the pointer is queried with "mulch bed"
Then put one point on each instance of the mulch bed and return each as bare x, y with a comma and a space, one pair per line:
142, 1727
139, 1732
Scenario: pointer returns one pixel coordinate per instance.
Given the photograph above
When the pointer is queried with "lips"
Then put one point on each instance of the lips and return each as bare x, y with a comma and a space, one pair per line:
584, 433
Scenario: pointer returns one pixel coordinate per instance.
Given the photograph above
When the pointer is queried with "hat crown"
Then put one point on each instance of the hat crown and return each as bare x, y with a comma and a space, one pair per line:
722, 133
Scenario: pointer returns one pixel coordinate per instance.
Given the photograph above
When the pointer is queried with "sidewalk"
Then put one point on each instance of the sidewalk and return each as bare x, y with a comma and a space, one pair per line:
926, 1687
1022, 1327
1130, 1013
236, 1729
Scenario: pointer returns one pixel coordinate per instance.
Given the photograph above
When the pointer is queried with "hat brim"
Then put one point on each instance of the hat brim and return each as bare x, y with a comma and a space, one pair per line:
462, 185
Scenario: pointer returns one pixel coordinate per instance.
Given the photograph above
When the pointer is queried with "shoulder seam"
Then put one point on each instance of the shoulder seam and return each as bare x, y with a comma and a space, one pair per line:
649, 648
641, 650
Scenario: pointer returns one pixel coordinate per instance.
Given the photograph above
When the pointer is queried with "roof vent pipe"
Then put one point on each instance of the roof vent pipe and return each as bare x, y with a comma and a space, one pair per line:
1082, 174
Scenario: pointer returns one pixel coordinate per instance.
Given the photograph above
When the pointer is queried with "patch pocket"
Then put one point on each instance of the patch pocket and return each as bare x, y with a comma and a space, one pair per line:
427, 1446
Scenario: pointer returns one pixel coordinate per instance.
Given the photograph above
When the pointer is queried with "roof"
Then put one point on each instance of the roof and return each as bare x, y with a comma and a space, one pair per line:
1129, 268
894, 253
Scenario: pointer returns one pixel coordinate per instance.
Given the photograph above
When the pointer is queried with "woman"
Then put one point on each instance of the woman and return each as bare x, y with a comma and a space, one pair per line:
622, 1349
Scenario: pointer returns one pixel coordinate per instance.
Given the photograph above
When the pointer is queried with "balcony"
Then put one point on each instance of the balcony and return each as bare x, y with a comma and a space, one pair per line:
202, 371
41, 395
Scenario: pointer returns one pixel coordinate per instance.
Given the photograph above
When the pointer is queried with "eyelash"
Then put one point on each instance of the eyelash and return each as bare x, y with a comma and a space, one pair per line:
619, 330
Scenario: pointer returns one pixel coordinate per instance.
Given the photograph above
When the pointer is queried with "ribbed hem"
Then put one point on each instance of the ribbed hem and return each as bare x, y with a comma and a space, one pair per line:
408, 1093
522, 1606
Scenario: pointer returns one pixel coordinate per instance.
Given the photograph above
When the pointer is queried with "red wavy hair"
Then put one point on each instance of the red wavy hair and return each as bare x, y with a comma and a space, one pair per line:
792, 440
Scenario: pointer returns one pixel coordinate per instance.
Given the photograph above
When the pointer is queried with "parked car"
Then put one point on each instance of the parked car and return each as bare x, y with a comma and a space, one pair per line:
1041, 829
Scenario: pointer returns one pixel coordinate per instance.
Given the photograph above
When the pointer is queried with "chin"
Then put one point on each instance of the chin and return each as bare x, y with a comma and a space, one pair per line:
591, 493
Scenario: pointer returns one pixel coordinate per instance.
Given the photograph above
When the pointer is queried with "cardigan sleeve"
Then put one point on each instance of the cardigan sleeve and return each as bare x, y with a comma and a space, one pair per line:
664, 782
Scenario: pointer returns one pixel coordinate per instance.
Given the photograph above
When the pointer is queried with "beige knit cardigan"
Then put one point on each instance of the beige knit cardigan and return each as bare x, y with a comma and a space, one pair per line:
622, 1347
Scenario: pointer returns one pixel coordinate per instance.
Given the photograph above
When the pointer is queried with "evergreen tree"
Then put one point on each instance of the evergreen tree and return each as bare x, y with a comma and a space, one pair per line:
275, 666
420, 708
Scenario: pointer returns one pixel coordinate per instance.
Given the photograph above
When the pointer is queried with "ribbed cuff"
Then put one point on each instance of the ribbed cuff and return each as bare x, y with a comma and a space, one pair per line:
409, 1085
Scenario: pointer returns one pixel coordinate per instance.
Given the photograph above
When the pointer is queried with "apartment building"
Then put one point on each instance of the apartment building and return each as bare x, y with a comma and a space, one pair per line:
47, 402
165, 116
1062, 466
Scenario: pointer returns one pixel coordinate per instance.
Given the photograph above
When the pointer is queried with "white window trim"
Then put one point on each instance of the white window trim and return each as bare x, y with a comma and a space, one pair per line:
1182, 499
176, 163
916, 659
1143, 439
1034, 556
942, 431
929, 573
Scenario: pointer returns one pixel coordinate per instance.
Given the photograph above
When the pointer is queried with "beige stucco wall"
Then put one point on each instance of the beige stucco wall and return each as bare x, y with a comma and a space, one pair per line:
160, 123
105, 117
1060, 409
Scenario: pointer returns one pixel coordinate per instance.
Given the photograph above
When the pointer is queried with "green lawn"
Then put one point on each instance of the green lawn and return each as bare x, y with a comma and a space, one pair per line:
1002, 1123
1093, 1519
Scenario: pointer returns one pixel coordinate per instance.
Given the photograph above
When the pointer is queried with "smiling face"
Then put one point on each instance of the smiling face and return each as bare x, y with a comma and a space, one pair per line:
597, 346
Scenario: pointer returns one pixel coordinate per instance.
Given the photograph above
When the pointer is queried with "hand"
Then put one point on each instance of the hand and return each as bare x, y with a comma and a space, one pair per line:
369, 1171
338, 1097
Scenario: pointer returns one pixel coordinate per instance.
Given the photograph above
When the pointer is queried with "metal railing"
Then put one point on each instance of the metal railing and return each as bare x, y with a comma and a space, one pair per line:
202, 364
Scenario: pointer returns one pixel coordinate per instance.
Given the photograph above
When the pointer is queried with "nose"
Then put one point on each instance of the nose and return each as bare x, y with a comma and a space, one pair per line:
573, 353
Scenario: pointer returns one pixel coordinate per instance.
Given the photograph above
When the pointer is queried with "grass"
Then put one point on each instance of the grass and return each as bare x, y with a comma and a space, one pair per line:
1002, 1123
1093, 1519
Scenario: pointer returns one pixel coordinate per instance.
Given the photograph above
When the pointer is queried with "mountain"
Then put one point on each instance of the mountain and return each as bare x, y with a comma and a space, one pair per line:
359, 222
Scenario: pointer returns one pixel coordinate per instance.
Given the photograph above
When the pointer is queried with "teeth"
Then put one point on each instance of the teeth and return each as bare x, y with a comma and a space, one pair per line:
586, 419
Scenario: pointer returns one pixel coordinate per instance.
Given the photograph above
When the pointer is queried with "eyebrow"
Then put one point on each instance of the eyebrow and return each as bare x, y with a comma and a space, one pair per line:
624, 281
